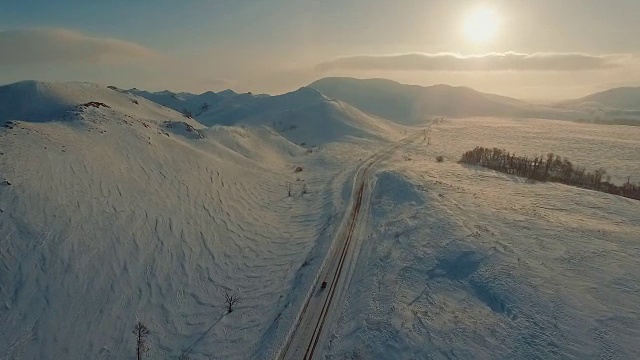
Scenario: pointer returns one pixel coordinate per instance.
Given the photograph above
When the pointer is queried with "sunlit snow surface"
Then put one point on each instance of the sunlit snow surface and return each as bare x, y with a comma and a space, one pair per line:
135, 212
468, 263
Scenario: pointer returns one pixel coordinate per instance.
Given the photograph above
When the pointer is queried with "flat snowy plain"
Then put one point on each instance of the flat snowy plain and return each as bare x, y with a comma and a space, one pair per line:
134, 212
462, 262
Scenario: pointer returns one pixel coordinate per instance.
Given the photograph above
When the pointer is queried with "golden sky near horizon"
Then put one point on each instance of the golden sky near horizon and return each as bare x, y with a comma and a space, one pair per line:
529, 49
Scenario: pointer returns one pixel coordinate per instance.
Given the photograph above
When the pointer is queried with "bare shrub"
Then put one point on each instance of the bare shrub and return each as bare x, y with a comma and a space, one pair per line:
230, 300
141, 332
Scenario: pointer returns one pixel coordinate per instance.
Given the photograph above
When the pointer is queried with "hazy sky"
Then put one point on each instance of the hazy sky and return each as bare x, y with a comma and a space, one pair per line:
542, 48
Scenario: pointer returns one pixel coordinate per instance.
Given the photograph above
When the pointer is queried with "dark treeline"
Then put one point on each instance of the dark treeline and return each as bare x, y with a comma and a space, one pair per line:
616, 121
550, 168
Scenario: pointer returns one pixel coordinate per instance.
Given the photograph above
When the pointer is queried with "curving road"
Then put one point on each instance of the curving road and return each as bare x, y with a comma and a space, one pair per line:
305, 339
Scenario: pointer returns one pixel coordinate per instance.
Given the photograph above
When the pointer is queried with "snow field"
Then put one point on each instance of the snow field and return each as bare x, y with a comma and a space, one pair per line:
468, 263
112, 217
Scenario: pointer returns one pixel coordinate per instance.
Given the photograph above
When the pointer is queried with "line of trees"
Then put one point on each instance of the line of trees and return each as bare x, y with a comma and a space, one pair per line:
550, 168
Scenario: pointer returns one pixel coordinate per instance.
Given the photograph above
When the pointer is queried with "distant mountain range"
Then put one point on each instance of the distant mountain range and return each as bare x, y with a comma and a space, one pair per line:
411, 103
185, 101
305, 116
404, 104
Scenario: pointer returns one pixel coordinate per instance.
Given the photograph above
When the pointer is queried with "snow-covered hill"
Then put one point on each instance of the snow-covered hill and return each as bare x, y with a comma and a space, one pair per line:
614, 106
39, 101
624, 98
244, 106
413, 104
130, 211
196, 104
303, 116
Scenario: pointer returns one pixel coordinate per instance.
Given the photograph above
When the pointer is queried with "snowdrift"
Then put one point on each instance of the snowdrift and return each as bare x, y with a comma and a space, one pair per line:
261, 144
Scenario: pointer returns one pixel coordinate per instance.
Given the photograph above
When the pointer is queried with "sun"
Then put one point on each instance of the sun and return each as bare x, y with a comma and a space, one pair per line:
481, 26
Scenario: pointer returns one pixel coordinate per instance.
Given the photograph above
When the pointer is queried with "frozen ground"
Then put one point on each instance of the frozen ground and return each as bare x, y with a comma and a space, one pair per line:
134, 212
466, 263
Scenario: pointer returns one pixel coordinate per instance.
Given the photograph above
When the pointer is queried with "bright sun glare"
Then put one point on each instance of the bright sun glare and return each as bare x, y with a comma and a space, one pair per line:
481, 26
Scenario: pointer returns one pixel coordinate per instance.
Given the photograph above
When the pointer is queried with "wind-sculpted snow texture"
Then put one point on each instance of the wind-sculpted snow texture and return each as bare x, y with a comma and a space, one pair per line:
466, 263
115, 209
120, 214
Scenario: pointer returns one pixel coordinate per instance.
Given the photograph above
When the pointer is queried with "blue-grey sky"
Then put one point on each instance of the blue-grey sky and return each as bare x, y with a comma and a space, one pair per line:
542, 48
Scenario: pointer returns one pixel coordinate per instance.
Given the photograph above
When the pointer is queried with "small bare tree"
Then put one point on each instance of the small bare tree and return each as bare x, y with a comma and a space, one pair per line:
230, 299
289, 189
304, 189
141, 332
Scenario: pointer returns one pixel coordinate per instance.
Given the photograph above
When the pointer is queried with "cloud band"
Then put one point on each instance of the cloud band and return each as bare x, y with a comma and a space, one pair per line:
35, 46
509, 61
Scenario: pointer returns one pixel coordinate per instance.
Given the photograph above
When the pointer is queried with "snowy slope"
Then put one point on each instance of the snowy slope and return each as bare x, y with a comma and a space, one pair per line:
260, 143
325, 122
244, 106
303, 116
165, 98
614, 106
197, 104
464, 263
121, 214
626, 98
40, 101
411, 104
